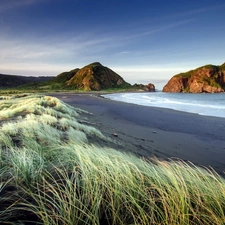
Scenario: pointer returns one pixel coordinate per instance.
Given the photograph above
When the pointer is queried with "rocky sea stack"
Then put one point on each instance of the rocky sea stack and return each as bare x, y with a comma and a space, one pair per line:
207, 79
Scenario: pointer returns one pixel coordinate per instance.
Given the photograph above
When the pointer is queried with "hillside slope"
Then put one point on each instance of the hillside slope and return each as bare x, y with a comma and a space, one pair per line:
208, 79
96, 77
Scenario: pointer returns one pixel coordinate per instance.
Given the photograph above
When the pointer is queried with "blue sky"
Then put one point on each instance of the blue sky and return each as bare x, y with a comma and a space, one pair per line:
142, 40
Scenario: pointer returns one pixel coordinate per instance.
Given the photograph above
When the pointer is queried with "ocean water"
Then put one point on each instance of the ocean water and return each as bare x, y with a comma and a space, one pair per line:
202, 104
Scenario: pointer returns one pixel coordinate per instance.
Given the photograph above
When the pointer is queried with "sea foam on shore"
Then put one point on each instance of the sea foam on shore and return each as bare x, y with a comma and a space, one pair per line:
202, 104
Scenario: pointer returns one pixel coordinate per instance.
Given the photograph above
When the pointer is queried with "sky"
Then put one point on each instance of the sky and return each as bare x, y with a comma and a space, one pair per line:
144, 41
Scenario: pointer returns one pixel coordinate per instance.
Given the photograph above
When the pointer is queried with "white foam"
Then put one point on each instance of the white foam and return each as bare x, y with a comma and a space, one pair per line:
202, 104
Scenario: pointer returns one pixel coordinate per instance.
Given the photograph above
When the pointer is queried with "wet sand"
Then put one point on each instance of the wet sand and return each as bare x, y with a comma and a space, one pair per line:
156, 132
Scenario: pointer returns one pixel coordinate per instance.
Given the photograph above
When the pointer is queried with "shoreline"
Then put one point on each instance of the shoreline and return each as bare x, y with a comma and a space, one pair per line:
200, 113
155, 132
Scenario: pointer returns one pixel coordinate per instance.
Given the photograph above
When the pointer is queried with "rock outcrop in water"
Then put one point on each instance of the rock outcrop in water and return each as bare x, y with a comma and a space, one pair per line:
208, 79
149, 87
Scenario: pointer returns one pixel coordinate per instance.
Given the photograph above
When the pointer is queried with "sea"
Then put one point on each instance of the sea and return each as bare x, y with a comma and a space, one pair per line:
203, 104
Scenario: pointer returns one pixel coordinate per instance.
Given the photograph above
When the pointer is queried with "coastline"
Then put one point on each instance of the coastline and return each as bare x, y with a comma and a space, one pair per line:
155, 132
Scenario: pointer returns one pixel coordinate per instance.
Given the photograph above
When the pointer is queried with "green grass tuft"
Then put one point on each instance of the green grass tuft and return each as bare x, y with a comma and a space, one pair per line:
50, 173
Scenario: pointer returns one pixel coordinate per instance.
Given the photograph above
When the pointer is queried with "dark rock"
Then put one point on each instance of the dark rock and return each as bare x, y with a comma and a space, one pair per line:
115, 134
150, 87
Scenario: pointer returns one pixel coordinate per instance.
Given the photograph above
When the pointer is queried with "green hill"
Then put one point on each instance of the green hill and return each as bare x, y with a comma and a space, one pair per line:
93, 77
96, 77
208, 78
65, 76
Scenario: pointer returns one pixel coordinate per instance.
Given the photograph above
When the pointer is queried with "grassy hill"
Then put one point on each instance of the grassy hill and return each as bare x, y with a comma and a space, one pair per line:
93, 77
208, 78
64, 77
96, 77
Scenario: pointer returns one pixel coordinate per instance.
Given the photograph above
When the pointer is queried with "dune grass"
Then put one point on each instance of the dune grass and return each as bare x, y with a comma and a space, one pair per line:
50, 173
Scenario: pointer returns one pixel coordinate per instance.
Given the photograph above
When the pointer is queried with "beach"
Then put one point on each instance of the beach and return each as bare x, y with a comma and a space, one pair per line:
155, 132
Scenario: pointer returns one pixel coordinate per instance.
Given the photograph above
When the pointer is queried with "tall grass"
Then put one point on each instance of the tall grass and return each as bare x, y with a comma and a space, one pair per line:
50, 173
103, 186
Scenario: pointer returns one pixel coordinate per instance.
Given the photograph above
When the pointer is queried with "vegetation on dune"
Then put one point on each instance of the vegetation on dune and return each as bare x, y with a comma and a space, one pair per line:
51, 173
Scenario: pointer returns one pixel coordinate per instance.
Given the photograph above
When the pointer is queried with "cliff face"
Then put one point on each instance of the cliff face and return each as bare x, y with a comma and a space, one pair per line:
96, 77
209, 79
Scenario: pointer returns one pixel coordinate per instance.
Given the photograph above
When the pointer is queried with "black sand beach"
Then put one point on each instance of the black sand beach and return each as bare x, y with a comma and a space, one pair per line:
156, 132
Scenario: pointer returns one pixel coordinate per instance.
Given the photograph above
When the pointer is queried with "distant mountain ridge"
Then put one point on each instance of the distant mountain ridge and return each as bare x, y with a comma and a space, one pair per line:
208, 79
10, 81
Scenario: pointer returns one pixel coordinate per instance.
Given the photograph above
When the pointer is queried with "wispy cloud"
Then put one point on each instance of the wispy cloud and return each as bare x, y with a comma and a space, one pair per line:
70, 50
8, 5
124, 52
53, 52
167, 22
42, 51
160, 28
35, 48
